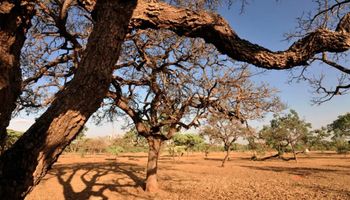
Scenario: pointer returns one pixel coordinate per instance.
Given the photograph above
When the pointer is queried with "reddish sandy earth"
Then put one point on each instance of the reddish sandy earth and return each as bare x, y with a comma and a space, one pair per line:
315, 176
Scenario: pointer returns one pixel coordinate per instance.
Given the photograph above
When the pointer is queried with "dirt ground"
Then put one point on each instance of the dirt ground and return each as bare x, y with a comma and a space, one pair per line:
315, 176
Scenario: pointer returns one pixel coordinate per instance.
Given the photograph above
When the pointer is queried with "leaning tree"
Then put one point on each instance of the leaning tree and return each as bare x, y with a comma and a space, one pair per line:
322, 38
285, 131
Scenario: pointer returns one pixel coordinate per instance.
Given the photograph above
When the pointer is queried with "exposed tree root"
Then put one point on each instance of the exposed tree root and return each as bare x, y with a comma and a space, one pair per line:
255, 158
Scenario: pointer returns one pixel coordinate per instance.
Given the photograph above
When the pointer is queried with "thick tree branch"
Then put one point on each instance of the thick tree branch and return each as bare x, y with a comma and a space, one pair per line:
216, 30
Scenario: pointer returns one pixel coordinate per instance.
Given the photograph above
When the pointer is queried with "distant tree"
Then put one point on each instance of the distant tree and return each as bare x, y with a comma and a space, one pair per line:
96, 145
131, 137
225, 130
317, 139
285, 131
92, 145
249, 102
342, 146
209, 143
115, 150
129, 142
340, 131
340, 128
12, 137
256, 145
175, 150
189, 140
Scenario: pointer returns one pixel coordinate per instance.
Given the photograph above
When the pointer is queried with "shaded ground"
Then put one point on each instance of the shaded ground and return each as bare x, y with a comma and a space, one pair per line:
316, 176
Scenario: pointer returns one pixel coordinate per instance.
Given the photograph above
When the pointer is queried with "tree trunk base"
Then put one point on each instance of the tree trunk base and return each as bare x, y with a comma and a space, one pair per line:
255, 158
152, 186
152, 165
227, 157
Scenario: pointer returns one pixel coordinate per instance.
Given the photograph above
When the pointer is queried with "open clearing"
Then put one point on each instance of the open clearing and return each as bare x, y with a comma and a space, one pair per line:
316, 176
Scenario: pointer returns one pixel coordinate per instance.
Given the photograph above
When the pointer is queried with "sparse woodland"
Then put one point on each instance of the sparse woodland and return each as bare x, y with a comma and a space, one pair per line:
166, 66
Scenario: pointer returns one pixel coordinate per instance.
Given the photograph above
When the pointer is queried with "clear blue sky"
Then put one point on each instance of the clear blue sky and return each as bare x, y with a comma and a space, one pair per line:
264, 22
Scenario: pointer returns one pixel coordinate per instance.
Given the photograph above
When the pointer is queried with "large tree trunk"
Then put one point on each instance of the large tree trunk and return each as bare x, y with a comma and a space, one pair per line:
15, 19
152, 164
228, 150
25, 164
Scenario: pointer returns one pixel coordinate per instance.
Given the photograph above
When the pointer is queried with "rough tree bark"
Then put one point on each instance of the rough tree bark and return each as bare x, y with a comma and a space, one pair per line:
25, 164
228, 150
216, 30
15, 17
152, 164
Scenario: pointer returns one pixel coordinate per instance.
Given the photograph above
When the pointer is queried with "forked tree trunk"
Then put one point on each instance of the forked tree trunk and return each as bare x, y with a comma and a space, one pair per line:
14, 23
27, 162
228, 150
154, 145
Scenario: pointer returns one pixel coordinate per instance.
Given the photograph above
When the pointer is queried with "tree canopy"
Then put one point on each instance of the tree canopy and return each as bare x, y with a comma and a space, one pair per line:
341, 126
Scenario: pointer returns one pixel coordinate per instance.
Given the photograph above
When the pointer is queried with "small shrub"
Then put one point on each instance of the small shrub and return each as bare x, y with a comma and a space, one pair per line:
115, 150
82, 152
176, 151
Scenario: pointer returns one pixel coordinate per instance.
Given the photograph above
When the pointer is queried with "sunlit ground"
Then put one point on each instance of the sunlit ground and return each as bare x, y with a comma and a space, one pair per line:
315, 176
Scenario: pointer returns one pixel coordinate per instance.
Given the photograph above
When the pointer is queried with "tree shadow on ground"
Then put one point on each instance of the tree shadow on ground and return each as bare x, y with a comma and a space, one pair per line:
341, 166
90, 175
178, 162
133, 156
166, 158
215, 159
330, 157
300, 171
230, 159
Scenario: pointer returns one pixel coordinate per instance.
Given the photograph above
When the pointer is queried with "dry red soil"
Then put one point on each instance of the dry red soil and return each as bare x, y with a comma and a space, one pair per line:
315, 176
